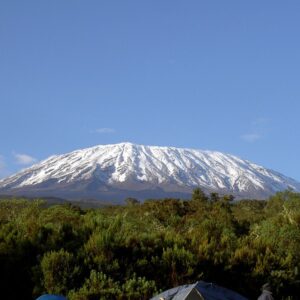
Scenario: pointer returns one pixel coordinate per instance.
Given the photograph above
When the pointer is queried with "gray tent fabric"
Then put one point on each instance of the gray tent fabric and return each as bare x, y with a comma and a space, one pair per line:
206, 291
190, 293
51, 297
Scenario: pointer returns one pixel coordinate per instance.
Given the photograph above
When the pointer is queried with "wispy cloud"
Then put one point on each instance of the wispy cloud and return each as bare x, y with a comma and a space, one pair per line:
251, 137
104, 130
257, 131
24, 159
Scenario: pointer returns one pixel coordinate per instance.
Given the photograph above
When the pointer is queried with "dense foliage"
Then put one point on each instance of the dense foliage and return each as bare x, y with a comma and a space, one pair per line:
137, 250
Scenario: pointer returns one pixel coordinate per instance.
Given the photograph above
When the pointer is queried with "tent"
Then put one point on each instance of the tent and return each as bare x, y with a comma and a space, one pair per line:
51, 297
199, 291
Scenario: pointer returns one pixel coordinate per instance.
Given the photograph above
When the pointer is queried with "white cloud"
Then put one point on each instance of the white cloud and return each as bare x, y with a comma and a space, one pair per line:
24, 159
105, 130
251, 137
257, 131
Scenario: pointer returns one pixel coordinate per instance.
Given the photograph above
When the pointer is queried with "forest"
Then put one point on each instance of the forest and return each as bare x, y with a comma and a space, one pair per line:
137, 250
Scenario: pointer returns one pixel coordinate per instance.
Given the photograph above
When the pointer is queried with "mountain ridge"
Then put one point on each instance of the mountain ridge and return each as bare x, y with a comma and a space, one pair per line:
126, 170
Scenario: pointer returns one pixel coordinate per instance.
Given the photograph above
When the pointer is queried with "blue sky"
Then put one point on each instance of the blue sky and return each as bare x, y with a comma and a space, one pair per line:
217, 75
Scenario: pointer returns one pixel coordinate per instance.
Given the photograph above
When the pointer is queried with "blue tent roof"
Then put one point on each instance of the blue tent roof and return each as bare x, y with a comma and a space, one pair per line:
208, 291
51, 297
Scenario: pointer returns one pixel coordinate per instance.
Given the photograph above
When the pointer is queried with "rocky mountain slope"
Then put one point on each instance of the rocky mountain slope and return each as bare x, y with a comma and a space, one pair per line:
114, 172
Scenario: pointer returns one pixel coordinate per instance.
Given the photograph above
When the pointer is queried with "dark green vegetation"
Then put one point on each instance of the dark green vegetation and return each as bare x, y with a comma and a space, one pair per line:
134, 251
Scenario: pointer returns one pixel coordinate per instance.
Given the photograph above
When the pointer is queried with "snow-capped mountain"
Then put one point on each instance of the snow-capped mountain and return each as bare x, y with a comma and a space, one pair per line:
114, 172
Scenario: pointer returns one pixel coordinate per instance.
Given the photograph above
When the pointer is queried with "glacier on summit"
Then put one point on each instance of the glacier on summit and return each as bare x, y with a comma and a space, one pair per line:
123, 170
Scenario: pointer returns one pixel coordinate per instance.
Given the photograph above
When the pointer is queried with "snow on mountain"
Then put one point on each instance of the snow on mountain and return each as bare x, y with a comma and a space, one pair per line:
121, 170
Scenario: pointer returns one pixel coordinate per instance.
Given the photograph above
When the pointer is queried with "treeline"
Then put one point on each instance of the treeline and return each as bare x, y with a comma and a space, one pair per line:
137, 250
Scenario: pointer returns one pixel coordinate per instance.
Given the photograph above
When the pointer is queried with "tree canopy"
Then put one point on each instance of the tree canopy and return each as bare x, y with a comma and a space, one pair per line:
135, 251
